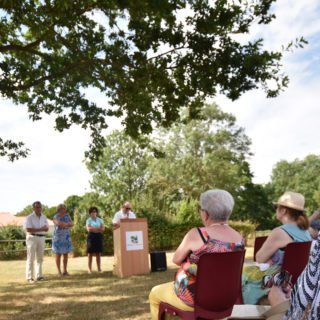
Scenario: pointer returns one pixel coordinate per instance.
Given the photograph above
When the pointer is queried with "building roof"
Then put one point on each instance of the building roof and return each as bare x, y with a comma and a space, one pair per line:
8, 219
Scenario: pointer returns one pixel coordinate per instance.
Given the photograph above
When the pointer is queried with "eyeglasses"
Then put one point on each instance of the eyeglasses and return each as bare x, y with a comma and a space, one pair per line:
275, 207
127, 208
199, 208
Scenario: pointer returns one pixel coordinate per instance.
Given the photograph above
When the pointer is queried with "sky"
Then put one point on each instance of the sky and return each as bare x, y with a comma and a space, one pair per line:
284, 128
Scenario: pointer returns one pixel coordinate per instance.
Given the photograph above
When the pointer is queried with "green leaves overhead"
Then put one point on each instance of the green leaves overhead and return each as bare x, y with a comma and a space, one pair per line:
12, 150
147, 58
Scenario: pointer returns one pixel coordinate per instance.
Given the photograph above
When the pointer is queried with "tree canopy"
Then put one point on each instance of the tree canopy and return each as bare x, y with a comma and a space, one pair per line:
146, 58
299, 176
176, 165
120, 172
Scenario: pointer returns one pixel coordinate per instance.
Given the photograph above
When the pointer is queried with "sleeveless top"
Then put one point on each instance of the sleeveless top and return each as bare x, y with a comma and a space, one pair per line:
252, 275
186, 275
296, 234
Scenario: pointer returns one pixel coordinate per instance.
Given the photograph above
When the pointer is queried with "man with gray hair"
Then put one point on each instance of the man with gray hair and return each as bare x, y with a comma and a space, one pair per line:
124, 213
36, 226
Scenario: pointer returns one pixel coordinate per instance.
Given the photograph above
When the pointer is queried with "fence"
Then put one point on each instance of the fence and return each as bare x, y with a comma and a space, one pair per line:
19, 250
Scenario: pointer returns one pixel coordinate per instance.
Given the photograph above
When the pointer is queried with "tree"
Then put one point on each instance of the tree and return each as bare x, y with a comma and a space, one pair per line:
254, 203
201, 154
49, 212
299, 176
120, 172
72, 203
148, 58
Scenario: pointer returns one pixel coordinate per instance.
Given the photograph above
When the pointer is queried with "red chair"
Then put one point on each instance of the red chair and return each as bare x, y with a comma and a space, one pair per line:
296, 256
258, 242
216, 290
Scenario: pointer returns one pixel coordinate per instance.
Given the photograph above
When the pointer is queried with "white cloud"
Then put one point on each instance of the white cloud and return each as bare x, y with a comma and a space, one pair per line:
286, 127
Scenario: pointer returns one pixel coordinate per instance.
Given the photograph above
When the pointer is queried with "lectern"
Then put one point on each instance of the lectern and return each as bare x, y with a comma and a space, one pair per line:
131, 248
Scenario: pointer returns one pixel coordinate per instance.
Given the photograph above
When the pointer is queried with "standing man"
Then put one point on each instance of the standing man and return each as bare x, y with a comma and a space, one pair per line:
124, 213
36, 225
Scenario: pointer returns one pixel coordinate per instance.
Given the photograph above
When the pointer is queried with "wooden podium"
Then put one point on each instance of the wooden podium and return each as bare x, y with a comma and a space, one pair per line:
131, 248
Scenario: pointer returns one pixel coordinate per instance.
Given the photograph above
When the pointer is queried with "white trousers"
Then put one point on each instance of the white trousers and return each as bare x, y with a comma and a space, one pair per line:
35, 251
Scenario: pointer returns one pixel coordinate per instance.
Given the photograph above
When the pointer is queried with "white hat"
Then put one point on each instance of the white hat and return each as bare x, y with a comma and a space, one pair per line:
292, 200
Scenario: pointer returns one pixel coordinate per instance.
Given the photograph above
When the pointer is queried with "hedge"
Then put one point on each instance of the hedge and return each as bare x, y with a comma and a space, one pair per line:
162, 236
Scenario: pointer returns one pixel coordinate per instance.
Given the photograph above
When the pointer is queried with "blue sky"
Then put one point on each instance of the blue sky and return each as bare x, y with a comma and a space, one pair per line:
287, 127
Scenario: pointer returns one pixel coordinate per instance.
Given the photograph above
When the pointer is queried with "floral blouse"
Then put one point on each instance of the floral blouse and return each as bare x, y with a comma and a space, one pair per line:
186, 275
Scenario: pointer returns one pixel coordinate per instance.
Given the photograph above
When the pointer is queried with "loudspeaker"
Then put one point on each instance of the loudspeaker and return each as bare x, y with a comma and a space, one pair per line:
158, 261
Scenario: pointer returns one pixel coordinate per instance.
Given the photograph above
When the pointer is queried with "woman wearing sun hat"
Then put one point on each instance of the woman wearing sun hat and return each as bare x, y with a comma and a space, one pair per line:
290, 212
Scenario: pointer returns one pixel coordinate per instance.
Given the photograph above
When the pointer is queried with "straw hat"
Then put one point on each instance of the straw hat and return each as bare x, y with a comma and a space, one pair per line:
292, 200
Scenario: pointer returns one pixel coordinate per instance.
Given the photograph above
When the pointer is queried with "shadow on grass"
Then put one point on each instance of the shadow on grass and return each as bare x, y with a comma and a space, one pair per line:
81, 296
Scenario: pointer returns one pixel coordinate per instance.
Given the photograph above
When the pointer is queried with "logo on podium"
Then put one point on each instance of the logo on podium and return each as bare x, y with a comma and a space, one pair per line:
134, 240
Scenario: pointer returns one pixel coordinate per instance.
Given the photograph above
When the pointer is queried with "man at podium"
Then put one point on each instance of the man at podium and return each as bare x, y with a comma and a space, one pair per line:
124, 213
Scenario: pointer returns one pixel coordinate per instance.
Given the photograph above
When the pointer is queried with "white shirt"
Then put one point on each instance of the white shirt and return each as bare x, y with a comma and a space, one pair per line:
120, 215
33, 221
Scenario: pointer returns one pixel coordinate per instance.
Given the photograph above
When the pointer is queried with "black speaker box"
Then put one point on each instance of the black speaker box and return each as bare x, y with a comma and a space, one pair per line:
158, 261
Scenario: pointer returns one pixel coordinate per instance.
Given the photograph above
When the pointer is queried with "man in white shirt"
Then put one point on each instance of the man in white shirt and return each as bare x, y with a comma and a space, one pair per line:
36, 226
124, 213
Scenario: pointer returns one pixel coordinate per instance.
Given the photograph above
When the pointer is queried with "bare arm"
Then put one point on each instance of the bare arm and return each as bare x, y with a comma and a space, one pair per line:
70, 223
94, 229
276, 240
277, 295
189, 243
315, 215
63, 225
44, 228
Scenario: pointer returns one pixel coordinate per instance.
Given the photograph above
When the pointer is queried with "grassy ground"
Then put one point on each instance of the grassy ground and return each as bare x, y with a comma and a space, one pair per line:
80, 296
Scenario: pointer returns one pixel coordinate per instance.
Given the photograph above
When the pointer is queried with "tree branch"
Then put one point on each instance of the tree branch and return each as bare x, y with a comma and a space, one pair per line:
165, 53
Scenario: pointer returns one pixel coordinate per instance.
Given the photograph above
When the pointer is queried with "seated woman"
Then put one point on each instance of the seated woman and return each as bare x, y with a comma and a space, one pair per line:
290, 212
216, 236
304, 299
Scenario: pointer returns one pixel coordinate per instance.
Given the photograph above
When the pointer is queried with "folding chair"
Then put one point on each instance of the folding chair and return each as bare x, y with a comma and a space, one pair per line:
216, 289
258, 242
296, 256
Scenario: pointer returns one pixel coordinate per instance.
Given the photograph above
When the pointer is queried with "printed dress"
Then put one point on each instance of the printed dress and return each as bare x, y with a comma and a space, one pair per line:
186, 275
252, 275
61, 240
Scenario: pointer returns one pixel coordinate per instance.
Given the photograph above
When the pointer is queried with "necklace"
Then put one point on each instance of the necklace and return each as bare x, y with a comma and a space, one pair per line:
218, 224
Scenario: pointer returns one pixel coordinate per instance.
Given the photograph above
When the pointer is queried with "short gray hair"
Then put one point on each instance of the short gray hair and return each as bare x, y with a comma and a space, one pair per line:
61, 205
217, 203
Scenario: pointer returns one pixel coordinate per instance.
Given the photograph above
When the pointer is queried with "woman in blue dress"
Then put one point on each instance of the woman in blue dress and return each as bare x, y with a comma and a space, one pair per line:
95, 227
61, 240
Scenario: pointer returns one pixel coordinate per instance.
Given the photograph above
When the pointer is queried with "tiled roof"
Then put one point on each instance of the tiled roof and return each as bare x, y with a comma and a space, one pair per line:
7, 218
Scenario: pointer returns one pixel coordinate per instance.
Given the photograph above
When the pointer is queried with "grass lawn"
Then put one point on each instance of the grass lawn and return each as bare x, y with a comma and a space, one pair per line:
80, 296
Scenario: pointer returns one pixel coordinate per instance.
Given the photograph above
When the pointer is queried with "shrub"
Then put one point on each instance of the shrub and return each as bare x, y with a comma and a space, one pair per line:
12, 232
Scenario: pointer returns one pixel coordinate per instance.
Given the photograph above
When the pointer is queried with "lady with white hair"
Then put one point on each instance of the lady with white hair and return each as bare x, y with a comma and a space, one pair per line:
61, 240
216, 236
290, 212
